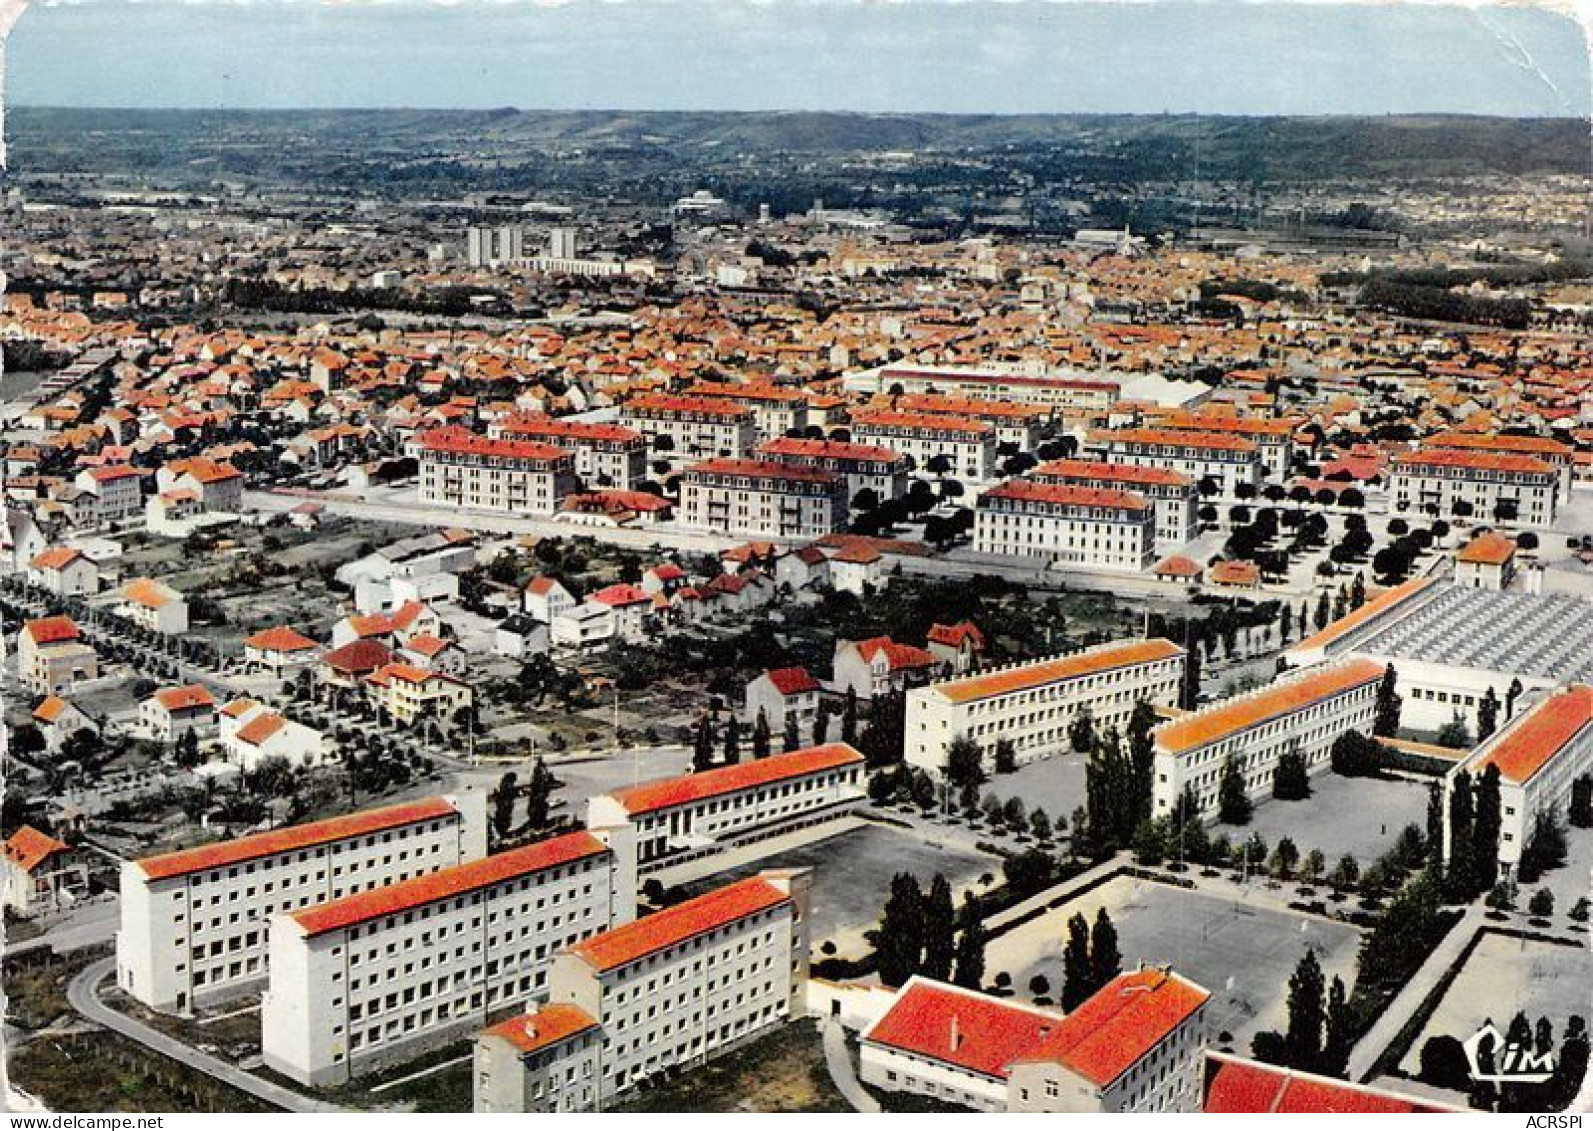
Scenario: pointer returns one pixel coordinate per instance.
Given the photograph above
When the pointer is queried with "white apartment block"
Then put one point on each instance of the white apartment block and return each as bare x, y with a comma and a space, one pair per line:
1274, 439
692, 427
1301, 714
459, 468
1229, 460
970, 445
119, 491
1034, 703
1539, 755
606, 455
376, 978
762, 498
52, 656
676, 818
1171, 493
194, 923
546, 1061
776, 411
1559, 456
1071, 391
1020, 425
1066, 525
1494, 486
864, 467
694, 981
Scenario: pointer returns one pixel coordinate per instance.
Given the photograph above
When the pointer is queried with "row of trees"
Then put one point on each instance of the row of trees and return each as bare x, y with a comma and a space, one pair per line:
1090, 958
1320, 1031
920, 933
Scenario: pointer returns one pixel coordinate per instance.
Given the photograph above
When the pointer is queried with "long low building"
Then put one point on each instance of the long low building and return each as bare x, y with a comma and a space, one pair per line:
195, 923
676, 988
1301, 714
1171, 493
1066, 525
1450, 646
376, 978
1229, 461
1033, 704
762, 497
1539, 755
676, 818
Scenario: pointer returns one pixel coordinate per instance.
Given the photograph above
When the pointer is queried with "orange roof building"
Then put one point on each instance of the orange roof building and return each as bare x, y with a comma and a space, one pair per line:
664, 930
1303, 714
1236, 1086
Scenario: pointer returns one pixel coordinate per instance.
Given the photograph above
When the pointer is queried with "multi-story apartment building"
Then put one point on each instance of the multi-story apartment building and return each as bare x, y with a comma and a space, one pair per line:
52, 656
1061, 523
694, 981
1019, 425
1561, 457
863, 467
1072, 392
1539, 755
194, 923
376, 978
606, 455
410, 694
460, 468
546, 1061
1273, 438
968, 445
1230, 461
1301, 714
775, 411
1136, 1045
1034, 703
118, 489
763, 498
1492, 486
692, 427
1171, 493
705, 812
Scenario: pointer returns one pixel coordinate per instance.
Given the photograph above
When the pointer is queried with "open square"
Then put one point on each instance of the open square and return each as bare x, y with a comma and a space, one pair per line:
1359, 816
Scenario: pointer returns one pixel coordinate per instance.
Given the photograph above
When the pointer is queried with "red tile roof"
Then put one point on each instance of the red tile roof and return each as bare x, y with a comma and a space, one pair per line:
461, 878
577, 430
1528, 744
888, 421
358, 657
661, 930
703, 406
1121, 1022
28, 848
49, 708
953, 635
260, 728
1474, 461
1487, 548
549, 1025
1106, 658
184, 698
279, 639
898, 657
1064, 494
760, 469
970, 1030
56, 558
828, 450
1093, 471
1240, 1087
51, 630
792, 681
1283, 698
462, 441
291, 839
670, 792
1172, 437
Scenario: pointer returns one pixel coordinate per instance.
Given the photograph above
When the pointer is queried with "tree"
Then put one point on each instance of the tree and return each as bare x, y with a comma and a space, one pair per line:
1081, 732
1233, 803
1460, 874
1323, 616
1006, 758
1541, 904
1040, 827
1444, 1064
1307, 1015
964, 762
761, 736
970, 970
187, 753
702, 746
791, 739
1511, 695
1346, 873
503, 799
1076, 969
1314, 865
1545, 847
1581, 811
1189, 686
1290, 780
1385, 720
1353, 754
940, 924
1486, 825
1284, 858
732, 740
1358, 591
1285, 624
1142, 756
1454, 734
899, 941
1487, 715
849, 718
1106, 959
539, 796
1015, 814
821, 727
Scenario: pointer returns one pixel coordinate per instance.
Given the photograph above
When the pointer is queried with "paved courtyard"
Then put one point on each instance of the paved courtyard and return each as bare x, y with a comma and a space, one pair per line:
853, 872
1504, 976
1055, 784
1360, 816
1243, 954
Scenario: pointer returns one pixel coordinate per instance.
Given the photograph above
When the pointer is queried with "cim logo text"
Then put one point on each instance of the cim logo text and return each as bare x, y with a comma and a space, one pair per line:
1495, 1060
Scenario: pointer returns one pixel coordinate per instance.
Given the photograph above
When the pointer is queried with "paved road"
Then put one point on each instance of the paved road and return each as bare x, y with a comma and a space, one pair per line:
83, 993
428, 514
838, 1058
87, 926
1415, 991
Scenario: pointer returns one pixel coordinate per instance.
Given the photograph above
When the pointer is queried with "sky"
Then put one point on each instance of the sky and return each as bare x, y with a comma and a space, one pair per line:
963, 56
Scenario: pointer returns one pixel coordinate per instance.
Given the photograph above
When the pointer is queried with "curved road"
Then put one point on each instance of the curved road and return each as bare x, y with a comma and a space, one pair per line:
83, 993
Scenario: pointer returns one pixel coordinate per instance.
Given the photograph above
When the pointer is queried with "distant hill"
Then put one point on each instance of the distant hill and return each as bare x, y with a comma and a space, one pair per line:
1273, 149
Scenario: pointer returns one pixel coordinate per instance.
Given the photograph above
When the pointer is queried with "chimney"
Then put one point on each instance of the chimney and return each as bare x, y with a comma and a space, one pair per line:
956, 1034
531, 1029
